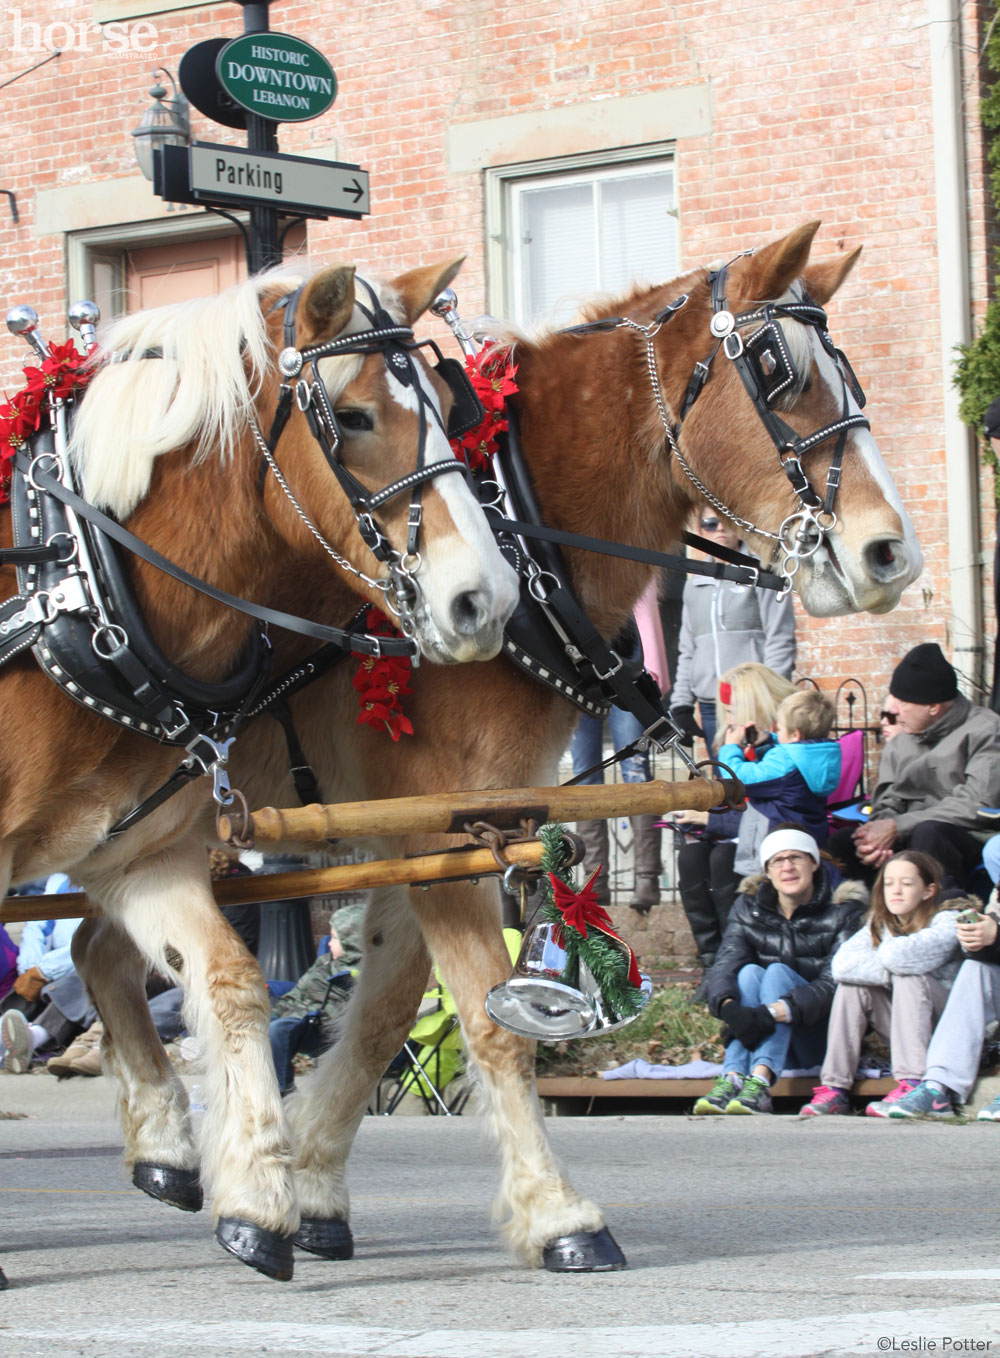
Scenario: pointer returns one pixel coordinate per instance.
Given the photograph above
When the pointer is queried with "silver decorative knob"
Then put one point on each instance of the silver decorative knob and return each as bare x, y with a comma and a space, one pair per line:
444, 302
23, 320
83, 316
84, 313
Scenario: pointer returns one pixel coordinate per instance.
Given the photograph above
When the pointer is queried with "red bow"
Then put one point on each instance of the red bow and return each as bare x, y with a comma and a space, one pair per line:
580, 909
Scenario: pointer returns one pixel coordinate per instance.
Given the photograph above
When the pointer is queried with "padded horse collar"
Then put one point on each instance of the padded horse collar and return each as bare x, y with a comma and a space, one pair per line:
550, 635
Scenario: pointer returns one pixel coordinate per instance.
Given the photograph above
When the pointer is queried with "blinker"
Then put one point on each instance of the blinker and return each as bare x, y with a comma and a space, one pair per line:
771, 361
467, 409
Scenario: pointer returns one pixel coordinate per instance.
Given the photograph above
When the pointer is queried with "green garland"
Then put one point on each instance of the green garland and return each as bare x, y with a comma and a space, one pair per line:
605, 958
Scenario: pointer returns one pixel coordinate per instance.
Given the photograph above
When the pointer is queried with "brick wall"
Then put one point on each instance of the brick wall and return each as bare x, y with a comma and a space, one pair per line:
818, 110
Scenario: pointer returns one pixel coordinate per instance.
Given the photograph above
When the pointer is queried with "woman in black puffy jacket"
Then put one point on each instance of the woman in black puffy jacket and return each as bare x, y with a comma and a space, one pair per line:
771, 984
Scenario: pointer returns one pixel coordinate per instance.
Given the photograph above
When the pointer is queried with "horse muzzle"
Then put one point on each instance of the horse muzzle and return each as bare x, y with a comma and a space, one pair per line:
839, 580
468, 623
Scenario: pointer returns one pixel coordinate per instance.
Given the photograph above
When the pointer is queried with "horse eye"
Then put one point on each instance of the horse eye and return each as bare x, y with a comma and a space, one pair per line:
358, 421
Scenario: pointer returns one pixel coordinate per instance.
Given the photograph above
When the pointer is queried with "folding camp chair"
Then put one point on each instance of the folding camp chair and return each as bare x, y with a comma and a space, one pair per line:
852, 766
431, 1057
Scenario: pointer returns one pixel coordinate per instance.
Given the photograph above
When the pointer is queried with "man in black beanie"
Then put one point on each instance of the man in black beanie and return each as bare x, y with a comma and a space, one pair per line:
933, 777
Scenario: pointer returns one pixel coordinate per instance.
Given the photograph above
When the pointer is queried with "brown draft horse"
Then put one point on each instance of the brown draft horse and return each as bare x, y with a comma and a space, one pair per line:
601, 463
164, 440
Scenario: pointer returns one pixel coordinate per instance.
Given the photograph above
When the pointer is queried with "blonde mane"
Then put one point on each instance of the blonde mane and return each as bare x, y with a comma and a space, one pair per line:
200, 393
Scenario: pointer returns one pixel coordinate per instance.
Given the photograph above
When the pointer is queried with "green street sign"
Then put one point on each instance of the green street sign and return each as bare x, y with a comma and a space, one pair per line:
277, 76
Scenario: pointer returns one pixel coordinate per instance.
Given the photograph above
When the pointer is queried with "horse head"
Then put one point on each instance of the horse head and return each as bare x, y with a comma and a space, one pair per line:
369, 408
776, 435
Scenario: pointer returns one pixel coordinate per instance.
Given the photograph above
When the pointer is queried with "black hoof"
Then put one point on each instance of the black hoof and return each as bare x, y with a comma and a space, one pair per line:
583, 1252
3, 1280
325, 1236
179, 1187
266, 1251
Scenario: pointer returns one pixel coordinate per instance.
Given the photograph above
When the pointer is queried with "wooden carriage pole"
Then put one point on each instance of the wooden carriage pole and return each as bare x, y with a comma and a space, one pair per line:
422, 870
504, 808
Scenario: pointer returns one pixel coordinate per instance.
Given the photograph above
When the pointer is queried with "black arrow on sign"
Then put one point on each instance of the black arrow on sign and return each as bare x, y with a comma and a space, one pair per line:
356, 189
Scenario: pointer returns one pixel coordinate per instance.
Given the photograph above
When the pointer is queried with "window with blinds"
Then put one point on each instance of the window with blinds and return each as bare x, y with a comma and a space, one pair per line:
599, 229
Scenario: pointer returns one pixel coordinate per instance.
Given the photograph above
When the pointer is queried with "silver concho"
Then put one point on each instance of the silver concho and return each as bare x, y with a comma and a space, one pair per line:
722, 324
290, 362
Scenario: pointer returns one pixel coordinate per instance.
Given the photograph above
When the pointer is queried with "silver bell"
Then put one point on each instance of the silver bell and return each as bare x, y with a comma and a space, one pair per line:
544, 1000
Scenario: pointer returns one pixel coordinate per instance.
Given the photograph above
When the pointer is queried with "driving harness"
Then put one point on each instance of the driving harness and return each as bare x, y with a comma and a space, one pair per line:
77, 612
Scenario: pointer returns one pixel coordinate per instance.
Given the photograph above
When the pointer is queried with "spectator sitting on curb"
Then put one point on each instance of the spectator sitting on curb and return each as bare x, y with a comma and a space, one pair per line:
325, 989
889, 726
955, 1049
792, 780
771, 984
44, 951
933, 777
893, 975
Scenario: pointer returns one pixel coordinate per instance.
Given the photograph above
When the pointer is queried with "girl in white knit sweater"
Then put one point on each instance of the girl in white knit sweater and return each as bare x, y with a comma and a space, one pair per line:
893, 975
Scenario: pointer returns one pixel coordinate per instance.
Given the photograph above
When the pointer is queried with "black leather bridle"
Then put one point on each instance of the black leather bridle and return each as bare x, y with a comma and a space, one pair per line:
396, 343
767, 370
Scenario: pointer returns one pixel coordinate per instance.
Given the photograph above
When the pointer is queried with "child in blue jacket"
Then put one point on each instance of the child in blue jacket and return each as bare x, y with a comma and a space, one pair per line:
792, 780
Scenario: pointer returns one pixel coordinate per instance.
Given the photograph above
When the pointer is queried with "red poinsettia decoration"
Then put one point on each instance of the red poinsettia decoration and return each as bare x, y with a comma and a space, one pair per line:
580, 911
492, 375
63, 373
382, 681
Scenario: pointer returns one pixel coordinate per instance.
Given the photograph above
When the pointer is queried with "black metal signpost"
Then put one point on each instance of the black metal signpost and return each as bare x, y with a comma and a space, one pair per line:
256, 82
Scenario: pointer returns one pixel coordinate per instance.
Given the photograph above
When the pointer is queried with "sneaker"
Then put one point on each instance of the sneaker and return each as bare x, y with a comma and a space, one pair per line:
825, 1100
923, 1102
883, 1107
720, 1095
754, 1097
17, 1041
991, 1112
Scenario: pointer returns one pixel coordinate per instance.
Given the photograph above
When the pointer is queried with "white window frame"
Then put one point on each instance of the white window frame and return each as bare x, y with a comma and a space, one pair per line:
502, 255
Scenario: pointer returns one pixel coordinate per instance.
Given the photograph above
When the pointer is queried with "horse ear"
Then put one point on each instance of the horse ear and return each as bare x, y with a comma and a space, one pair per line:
326, 305
418, 288
822, 280
775, 267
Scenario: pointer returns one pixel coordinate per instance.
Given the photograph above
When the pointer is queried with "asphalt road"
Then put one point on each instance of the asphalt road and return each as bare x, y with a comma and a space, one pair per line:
745, 1237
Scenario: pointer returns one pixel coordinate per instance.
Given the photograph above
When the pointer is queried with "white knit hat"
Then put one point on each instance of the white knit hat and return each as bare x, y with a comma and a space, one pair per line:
797, 840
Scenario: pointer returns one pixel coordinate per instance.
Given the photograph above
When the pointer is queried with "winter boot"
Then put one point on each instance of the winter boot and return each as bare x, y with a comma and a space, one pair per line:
594, 834
700, 995
648, 863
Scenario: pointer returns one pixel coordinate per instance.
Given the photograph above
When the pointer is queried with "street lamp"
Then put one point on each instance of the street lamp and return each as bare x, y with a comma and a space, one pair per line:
166, 122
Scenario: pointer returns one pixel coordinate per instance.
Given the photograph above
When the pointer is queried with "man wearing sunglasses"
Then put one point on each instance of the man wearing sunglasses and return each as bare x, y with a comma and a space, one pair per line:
935, 775
724, 624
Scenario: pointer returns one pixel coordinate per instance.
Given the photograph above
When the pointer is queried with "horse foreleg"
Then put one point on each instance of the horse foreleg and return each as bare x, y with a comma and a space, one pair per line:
165, 902
325, 1116
160, 1149
544, 1219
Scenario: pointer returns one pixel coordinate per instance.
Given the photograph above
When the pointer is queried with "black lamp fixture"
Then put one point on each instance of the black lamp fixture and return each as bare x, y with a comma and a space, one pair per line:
166, 122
